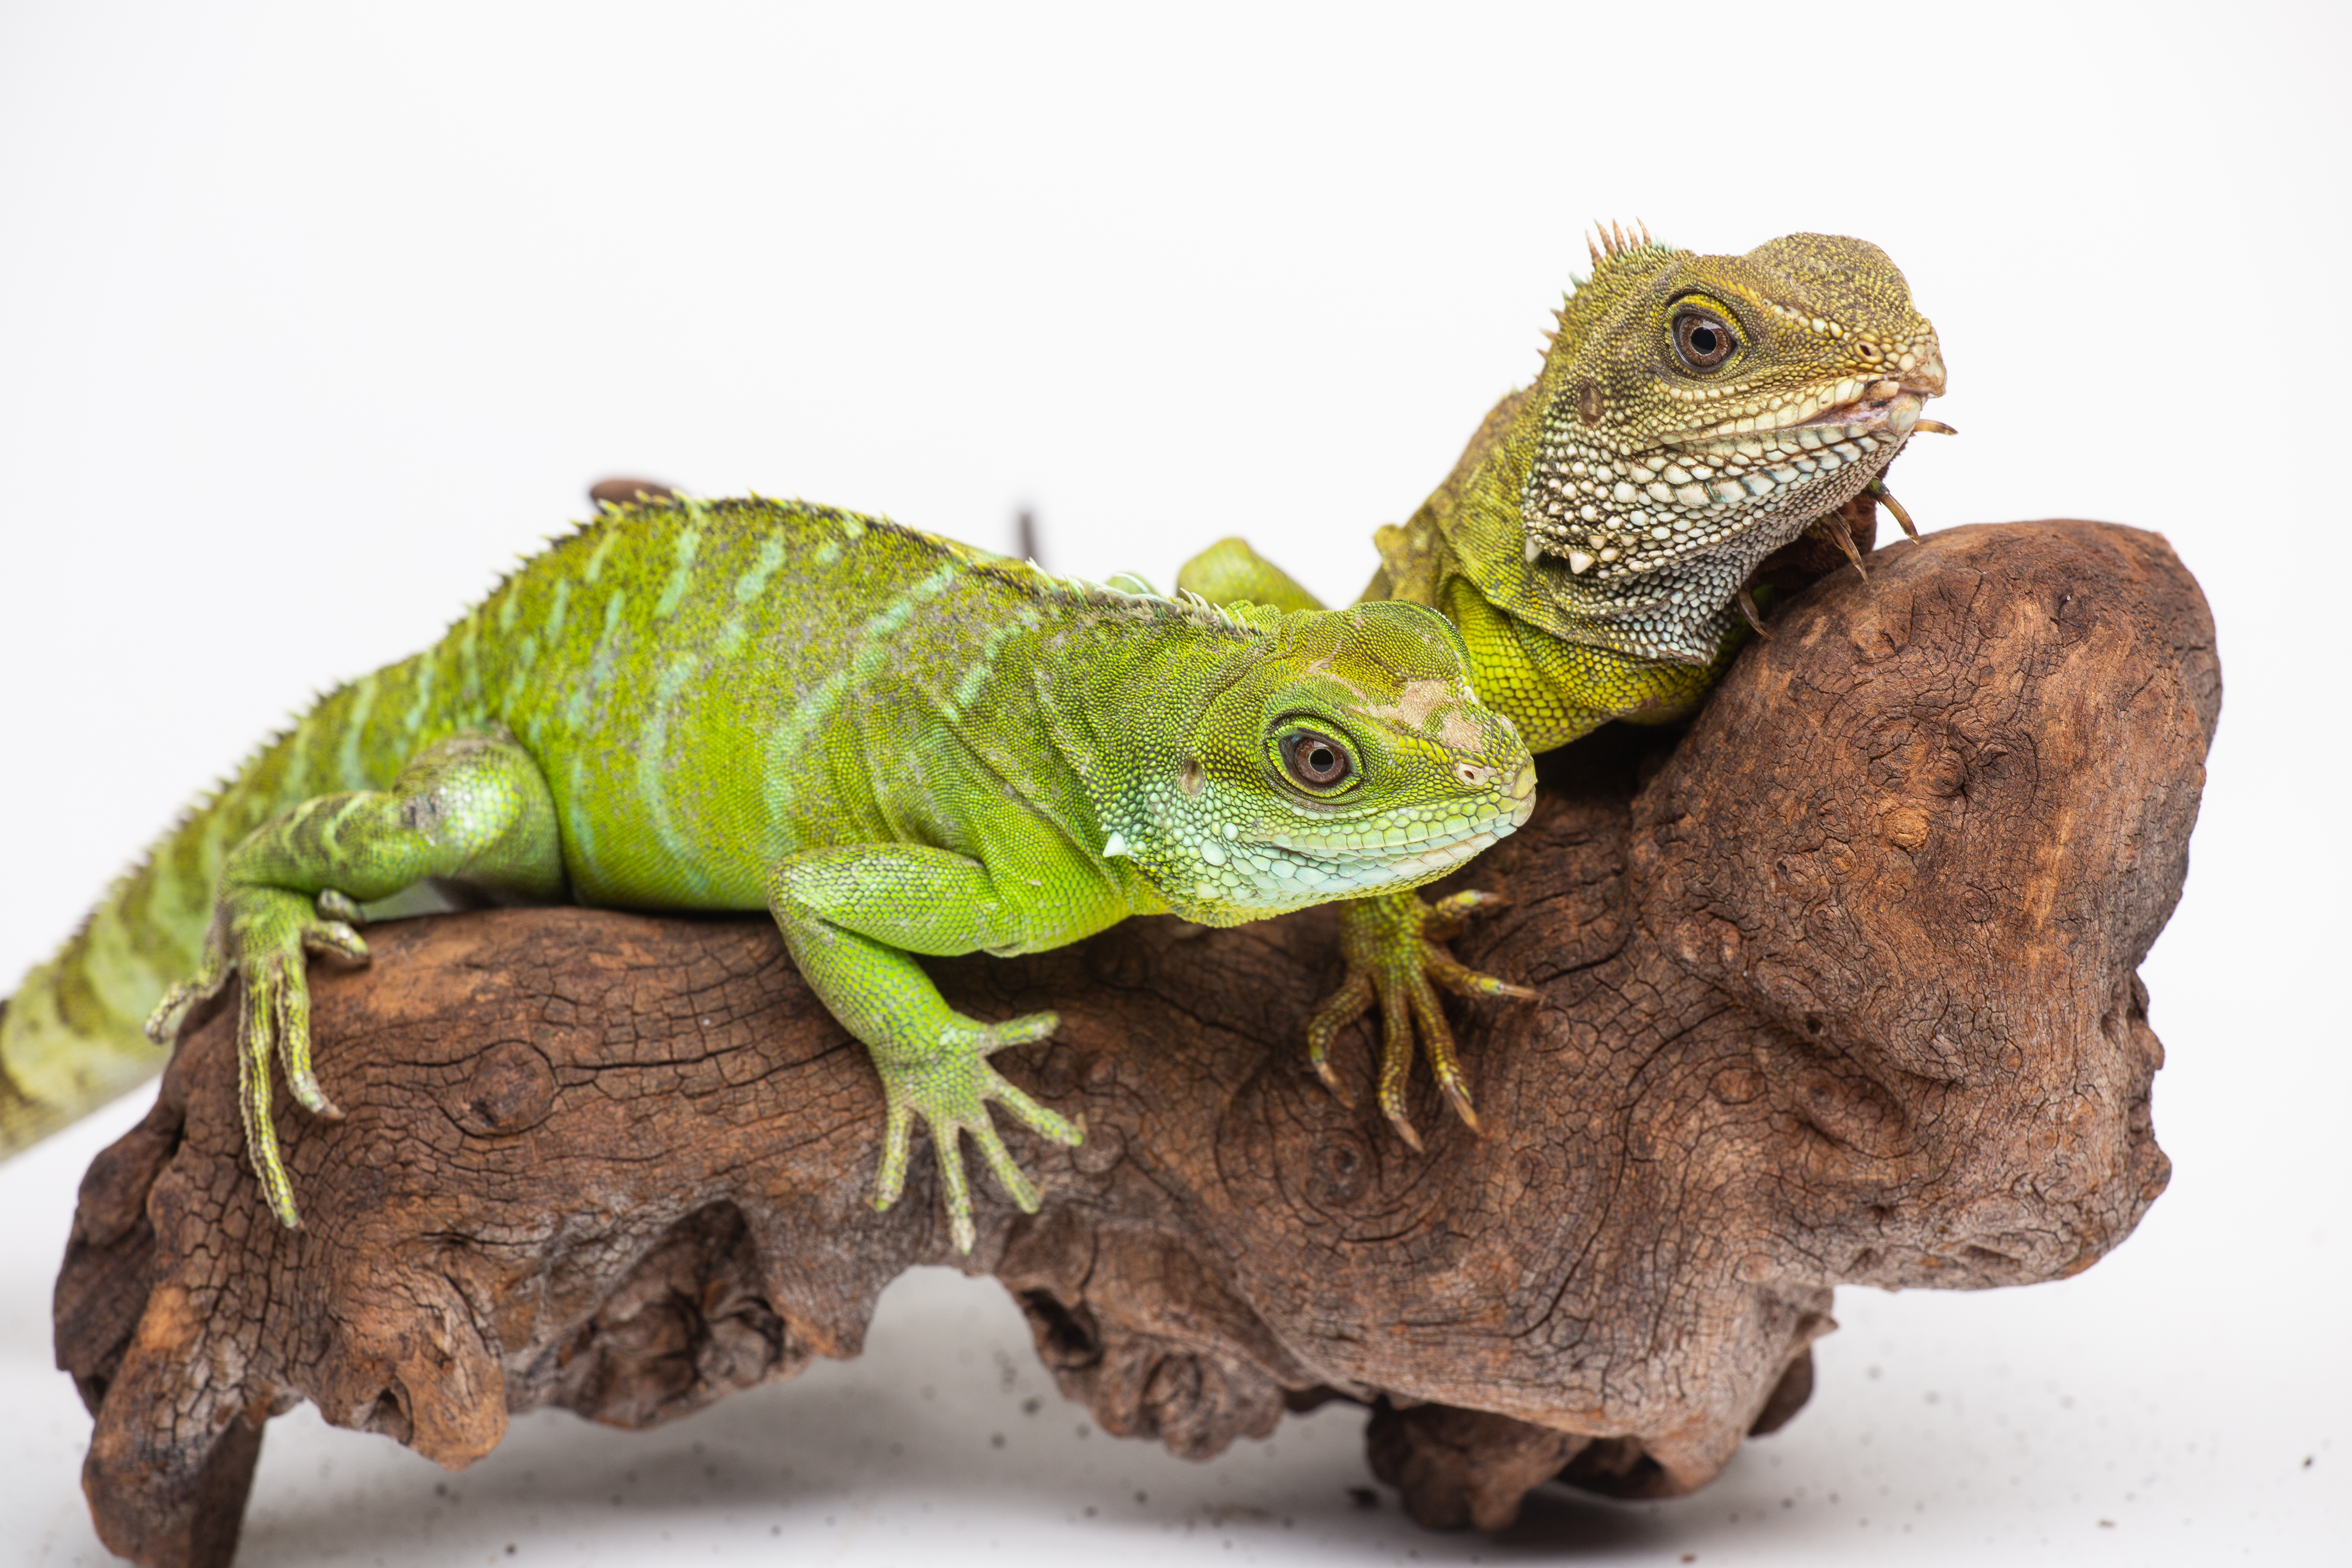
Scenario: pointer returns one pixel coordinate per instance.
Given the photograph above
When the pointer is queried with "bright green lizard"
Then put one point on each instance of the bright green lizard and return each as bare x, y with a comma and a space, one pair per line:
894, 743
1595, 542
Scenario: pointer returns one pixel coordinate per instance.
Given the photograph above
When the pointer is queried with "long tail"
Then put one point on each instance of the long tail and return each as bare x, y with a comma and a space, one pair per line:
71, 1036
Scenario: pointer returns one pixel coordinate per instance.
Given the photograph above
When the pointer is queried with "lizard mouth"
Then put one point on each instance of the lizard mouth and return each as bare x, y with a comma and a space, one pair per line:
1887, 406
1336, 870
1254, 879
1656, 544
1416, 853
1824, 449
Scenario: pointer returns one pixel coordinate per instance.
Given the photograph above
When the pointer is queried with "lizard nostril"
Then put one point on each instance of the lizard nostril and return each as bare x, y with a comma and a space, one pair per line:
1472, 774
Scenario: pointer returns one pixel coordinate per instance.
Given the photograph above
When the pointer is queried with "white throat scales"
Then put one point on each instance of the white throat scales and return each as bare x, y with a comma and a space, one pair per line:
1650, 548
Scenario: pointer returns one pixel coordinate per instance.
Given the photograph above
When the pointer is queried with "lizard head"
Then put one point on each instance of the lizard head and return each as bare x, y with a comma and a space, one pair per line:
1345, 753
1698, 411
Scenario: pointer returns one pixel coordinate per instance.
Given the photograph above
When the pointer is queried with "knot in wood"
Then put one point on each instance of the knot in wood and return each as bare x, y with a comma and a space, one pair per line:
512, 1089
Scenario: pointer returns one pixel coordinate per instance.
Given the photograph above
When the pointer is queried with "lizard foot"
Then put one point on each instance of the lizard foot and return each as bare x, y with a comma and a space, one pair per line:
261, 935
949, 1090
1391, 945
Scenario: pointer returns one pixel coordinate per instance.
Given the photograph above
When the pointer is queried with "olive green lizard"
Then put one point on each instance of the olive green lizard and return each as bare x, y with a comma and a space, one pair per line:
894, 743
1595, 540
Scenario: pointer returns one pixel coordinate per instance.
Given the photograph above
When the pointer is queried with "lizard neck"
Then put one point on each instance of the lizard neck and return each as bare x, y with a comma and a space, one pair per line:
1471, 527
1122, 710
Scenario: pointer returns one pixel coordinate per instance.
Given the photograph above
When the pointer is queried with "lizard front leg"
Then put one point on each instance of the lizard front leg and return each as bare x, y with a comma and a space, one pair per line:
1231, 570
1555, 692
473, 809
852, 913
1392, 946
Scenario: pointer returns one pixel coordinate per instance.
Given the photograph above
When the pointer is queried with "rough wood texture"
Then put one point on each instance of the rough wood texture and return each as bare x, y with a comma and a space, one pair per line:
1838, 986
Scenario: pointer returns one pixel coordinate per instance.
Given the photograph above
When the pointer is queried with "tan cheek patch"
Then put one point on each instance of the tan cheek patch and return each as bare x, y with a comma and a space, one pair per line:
1457, 732
1413, 706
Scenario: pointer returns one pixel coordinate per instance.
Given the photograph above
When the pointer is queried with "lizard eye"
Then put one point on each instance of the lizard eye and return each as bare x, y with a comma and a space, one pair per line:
1703, 340
1314, 760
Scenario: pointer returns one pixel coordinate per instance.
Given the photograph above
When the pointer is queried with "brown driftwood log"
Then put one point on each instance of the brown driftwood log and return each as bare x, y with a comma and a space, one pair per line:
1837, 986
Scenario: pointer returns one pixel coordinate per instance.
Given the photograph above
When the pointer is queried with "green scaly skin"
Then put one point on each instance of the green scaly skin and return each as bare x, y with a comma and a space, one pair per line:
895, 744
1593, 540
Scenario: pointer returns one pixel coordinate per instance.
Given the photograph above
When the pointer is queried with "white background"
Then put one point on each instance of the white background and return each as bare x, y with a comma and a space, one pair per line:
310, 323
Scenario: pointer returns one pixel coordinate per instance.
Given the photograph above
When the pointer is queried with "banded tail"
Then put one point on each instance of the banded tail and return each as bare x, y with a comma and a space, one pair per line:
72, 1035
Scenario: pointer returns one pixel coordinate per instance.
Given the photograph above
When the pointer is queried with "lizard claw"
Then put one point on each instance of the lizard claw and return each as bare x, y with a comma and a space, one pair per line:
162, 1025
1887, 499
1833, 526
260, 936
949, 1090
1451, 916
1392, 947
335, 906
336, 939
1339, 1009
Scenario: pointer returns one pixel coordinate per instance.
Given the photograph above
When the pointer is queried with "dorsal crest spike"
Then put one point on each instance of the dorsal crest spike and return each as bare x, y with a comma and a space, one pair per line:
1609, 240
1612, 242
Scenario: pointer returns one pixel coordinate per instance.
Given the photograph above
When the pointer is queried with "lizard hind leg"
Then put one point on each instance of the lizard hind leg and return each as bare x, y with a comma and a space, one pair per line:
472, 808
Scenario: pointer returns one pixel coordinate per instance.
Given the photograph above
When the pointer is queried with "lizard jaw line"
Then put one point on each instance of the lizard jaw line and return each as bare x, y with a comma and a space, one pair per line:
1373, 871
1896, 415
1446, 849
1317, 878
1898, 411
1865, 406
